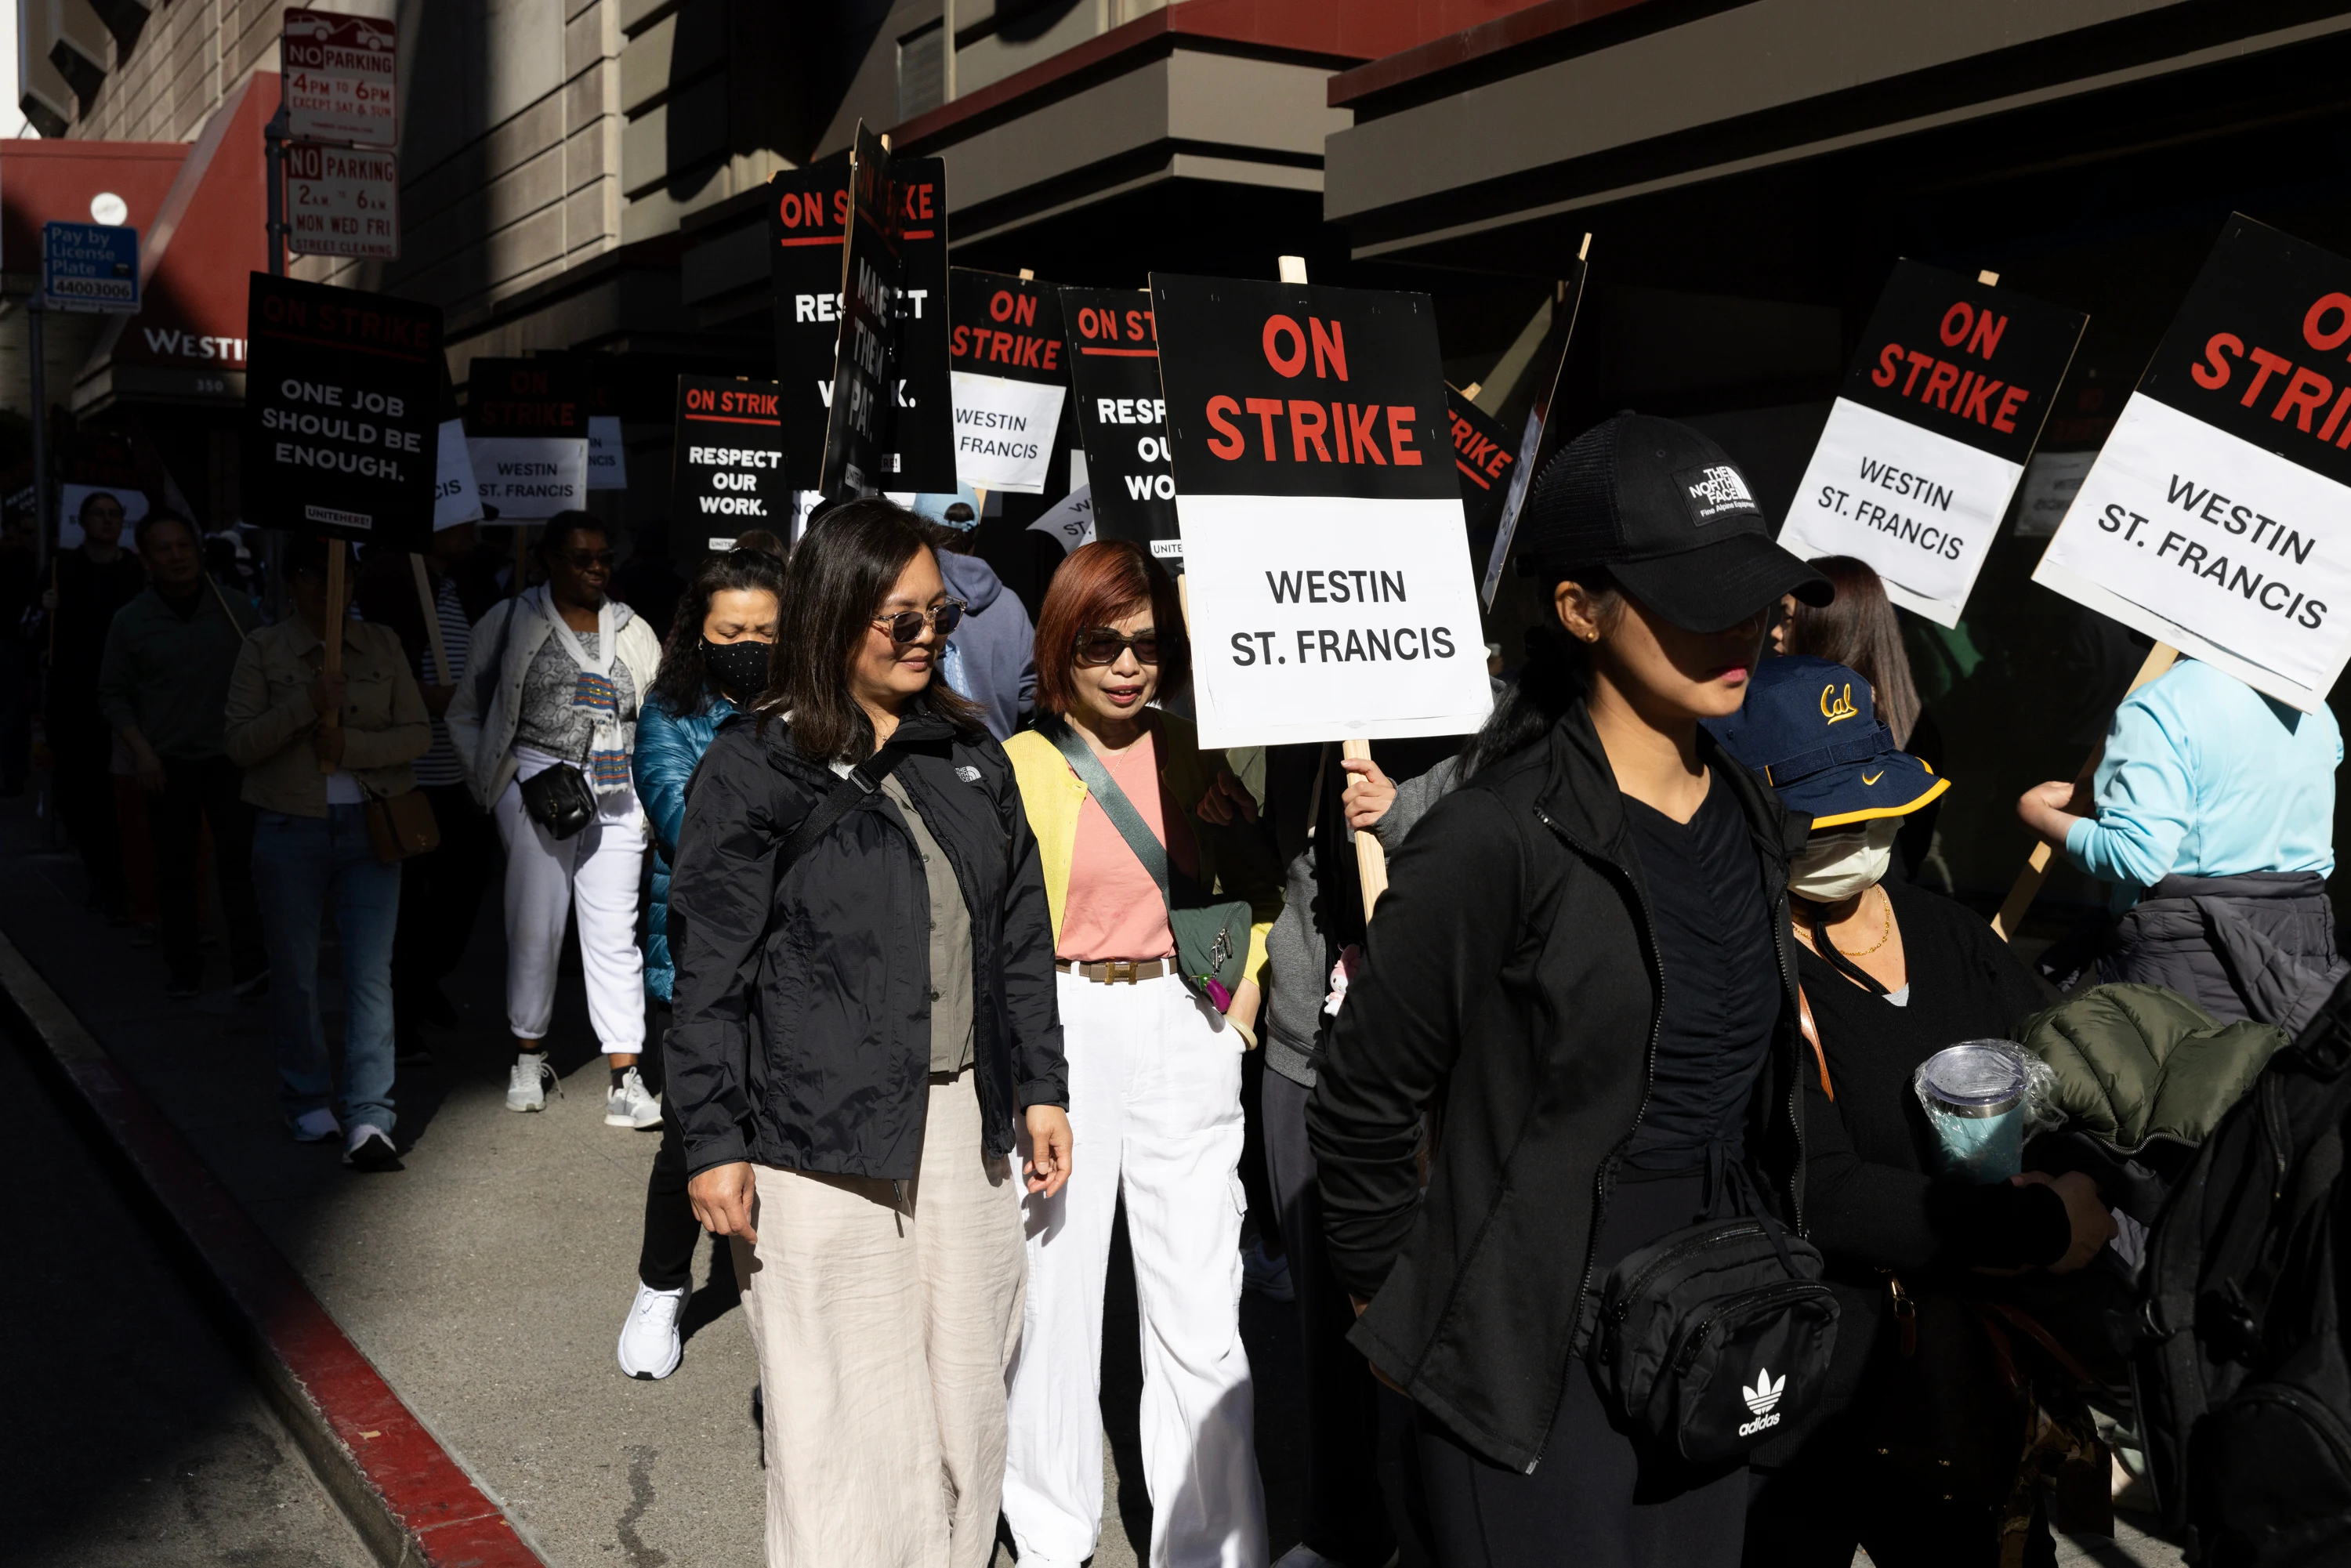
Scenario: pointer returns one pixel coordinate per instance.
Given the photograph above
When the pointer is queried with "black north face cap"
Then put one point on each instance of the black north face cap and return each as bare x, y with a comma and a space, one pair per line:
1670, 515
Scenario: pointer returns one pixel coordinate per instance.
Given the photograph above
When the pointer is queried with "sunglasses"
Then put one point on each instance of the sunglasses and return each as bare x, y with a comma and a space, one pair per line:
907, 624
583, 560
1100, 645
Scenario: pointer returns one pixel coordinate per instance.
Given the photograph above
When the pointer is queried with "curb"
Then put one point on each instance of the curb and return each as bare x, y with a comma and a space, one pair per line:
412, 1502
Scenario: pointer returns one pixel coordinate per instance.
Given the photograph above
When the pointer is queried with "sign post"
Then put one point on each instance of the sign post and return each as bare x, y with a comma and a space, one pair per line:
1929, 436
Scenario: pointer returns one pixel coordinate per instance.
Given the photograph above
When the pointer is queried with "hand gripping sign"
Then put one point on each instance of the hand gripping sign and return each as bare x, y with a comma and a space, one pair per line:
2218, 516
1929, 437
1113, 348
1006, 351
1324, 536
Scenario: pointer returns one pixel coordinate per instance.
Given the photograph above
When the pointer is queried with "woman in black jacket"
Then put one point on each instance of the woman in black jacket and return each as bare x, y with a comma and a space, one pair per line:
1891, 975
1583, 963
865, 1022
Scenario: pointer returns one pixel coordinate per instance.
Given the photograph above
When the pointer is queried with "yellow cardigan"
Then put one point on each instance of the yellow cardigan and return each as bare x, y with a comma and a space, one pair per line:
1232, 860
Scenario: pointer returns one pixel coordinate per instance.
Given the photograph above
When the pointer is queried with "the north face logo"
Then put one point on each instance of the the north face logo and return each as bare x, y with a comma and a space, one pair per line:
968, 775
1720, 487
1760, 1399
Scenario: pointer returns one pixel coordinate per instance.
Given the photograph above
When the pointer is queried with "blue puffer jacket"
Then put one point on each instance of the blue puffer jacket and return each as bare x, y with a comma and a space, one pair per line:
669, 748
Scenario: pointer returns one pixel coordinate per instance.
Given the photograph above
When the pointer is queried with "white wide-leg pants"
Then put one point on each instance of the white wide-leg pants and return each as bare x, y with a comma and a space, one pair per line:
1155, 1111
594, 873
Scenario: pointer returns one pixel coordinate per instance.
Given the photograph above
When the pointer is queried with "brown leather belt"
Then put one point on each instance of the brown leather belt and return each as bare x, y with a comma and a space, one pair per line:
1117, 971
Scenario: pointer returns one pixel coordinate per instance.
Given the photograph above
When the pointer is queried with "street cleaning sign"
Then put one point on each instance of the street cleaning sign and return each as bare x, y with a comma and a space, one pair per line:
1122, 416
338, 82
526, 431
2217, 517
1004, 349
89, 266
342, 413
343, 202
727, 471
1929, 437
1323, 535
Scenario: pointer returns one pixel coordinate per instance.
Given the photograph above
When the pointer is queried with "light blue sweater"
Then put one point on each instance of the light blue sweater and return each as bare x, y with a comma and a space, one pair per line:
2203, 775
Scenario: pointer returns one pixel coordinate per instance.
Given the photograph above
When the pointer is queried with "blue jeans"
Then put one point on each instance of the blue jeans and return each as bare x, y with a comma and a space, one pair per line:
298, 863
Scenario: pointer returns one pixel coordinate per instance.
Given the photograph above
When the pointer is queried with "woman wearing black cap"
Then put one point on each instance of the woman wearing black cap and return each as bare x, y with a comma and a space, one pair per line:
1583, 966
1891, 973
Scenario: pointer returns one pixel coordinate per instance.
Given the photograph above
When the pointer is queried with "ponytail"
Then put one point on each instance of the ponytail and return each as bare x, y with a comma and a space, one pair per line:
1556, 677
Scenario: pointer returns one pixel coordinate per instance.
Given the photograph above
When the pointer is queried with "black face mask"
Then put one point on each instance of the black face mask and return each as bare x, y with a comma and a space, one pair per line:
737, 667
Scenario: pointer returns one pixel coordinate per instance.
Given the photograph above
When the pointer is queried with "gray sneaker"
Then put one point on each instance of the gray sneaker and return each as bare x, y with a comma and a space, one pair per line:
526, 1084
632, 1105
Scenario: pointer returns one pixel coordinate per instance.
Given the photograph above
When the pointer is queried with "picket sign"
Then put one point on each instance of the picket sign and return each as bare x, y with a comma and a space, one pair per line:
1370, 857
333, 635
2036, 865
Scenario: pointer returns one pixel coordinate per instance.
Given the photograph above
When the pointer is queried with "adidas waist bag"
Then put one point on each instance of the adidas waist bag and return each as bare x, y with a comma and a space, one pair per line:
1715, 1339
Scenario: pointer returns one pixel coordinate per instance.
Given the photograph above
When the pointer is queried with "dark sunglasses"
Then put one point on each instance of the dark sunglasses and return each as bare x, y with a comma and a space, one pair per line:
1100, 645
907, 624
581, 559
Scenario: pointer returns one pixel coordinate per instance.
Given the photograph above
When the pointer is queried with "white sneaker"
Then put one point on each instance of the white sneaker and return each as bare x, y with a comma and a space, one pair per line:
632, 1105
317, 1126
650, 1346
526, 1084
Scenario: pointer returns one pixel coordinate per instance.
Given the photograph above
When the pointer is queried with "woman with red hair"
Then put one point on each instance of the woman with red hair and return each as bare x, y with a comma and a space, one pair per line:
1111, 785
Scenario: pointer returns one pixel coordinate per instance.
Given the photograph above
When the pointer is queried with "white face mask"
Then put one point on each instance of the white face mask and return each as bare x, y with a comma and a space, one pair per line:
1838, 863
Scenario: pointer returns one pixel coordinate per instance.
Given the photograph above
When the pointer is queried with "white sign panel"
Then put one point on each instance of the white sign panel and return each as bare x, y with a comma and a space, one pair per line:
1070, 521
608, 459
529, 476
338, 78
1920, 507
1004, 432
455, 498
70, 499
340, 202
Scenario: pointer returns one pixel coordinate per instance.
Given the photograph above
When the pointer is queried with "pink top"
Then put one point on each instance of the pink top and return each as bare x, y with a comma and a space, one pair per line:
1114, 910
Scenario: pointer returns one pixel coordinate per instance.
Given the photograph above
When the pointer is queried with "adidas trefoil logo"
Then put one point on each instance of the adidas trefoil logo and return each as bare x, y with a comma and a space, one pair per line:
1761, 1398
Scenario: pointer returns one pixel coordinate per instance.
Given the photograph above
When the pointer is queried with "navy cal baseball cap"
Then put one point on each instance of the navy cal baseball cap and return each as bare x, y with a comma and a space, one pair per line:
1670, 515
1811, 729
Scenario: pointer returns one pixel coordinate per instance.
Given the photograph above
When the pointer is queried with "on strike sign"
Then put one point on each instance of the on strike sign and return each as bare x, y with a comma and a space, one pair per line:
808, 214
2218, 516
1320, 512
341, 201
1122, 416
342, 402
1009, 379
1927, 439
526, 431
339, 79
728, 474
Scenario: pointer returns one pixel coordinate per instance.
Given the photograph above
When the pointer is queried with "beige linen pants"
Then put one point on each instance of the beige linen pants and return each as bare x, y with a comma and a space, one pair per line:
883, 1335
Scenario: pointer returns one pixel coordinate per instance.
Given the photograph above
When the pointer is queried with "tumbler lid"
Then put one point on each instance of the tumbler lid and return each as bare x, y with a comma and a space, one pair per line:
1975, 1078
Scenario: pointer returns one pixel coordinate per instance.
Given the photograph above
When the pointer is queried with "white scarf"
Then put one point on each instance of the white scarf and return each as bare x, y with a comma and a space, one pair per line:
607, 747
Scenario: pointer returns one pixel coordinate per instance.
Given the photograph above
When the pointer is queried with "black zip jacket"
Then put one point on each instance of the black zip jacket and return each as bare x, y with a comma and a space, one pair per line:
801, 1033
1511, 976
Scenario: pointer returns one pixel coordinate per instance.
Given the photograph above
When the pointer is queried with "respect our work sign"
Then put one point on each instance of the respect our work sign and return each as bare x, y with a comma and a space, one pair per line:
526, 431
1929, 437
727, 470
1114, 345
808, 215
2218, 516
1004, 350
342, 402
1321, 513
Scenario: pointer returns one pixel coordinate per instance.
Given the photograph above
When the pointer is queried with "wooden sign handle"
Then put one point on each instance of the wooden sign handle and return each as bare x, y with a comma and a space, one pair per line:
331, 634
431, 606
1371, 855
2020, 897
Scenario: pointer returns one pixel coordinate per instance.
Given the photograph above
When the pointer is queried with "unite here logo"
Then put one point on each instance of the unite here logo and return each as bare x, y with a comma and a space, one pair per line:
1720, 489
1760, 1400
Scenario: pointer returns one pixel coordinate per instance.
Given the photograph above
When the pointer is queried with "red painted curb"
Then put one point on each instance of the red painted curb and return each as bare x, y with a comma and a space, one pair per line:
411, 1501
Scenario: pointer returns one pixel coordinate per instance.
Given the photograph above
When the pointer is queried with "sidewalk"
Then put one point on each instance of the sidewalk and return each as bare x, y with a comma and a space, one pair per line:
486, 1281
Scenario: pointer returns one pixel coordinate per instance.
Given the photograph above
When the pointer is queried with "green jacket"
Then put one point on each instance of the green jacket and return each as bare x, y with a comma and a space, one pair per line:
2135, 1063
170, 674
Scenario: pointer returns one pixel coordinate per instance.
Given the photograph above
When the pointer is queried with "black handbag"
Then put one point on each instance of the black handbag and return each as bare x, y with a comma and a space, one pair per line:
1716, 1338
558, 798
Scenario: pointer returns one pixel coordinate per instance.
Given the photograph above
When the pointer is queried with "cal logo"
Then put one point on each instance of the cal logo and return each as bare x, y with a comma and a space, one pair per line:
1837, 707
1717, 491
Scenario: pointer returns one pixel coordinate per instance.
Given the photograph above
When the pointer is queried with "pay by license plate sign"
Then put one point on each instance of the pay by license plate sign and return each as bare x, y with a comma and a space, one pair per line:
89, 266
2218, 516
1331, 593
339, 82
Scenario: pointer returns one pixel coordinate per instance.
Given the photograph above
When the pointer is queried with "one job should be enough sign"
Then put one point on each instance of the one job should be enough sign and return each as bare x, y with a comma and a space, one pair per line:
1331, 595
2218, 516
1930, 435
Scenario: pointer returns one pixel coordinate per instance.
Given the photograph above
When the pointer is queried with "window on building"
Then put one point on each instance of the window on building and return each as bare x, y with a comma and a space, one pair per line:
922, 72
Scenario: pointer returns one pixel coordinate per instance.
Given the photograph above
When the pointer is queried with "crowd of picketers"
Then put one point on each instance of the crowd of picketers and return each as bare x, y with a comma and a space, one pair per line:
1633, 1203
